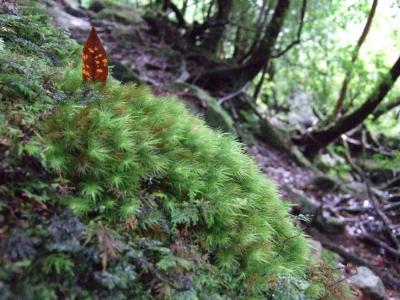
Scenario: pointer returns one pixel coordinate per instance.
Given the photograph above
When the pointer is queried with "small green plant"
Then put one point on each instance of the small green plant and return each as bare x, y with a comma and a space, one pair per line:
59, 264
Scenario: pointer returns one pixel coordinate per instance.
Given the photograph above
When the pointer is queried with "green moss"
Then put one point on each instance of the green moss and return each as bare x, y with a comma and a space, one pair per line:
126, 144
162, 206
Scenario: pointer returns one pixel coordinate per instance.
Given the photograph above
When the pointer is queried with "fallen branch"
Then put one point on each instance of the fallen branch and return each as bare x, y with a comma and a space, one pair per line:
367, 237
367, 146
242, 90
328, 244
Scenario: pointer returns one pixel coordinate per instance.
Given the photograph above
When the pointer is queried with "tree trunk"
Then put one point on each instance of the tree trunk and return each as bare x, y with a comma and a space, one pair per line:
220, 19
233, 77
346, 80
315, 140
168, 4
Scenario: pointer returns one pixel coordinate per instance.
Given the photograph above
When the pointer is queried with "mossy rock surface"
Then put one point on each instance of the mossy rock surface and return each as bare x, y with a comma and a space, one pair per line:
215, 115
116, 11
109, 192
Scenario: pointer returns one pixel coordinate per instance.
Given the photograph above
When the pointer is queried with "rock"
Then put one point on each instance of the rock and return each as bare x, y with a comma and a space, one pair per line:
368, 282
128, 35
116, 12
65, 20
9, 7
72, 7
123, 73
332, 224
316, 250
215, 116
301, 112
307, 206
324, 183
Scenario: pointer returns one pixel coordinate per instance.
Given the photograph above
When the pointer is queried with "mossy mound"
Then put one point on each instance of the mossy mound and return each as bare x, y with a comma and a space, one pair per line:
125, 146
108, 192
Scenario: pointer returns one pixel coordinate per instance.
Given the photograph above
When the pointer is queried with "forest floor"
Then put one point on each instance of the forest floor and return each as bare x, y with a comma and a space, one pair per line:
158, 64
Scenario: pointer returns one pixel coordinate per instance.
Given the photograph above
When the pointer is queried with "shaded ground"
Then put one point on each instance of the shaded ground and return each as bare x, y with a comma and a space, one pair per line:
156, 63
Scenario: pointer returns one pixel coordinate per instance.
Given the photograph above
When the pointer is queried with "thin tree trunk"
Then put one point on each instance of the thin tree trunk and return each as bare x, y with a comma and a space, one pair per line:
184, 7
318, 139
262, 19
346, 80
259, 85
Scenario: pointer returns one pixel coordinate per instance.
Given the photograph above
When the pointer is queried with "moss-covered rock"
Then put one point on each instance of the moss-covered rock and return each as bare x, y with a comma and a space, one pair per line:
108, 192
215, 115
114, 11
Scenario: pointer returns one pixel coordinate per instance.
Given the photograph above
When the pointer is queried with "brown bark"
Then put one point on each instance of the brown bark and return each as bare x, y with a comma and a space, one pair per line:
168, 4
318, 139
346, 80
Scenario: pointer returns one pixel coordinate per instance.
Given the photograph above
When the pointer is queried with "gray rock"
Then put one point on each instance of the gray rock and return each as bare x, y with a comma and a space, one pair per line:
316, 250
368, 282
65, 20
124, 14
301, 111
324, 183
332, 224
307, 206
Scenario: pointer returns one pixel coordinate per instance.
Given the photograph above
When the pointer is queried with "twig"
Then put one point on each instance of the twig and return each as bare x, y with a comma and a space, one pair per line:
243, 89
379, 243
184, 73
391, 206
348, 156
367, 146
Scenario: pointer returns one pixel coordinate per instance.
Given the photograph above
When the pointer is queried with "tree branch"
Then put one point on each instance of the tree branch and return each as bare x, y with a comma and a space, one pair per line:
243, 89
346, 81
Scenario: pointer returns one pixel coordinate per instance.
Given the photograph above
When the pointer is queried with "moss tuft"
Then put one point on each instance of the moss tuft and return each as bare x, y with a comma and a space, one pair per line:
125, 146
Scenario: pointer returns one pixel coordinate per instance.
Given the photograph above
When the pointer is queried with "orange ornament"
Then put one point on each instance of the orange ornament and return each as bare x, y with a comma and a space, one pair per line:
94, 57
